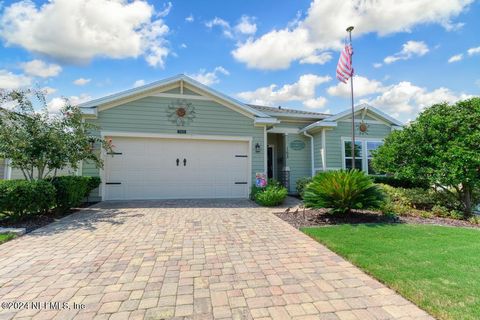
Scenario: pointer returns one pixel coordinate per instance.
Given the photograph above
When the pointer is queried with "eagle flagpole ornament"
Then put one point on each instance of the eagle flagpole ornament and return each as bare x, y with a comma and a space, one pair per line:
345, 72
181, 112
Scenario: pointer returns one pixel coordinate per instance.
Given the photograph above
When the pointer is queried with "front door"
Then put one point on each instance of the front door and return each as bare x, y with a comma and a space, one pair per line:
270, 162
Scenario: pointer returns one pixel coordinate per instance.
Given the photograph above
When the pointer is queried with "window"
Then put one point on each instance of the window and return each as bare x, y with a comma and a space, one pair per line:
358, 155
363, 151
371, 146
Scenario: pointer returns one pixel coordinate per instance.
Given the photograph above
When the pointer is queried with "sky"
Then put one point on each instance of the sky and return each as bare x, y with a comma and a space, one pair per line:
408, 54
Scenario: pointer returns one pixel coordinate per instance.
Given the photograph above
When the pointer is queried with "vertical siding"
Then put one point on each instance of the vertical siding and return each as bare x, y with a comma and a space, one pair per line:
298, 160
344, 129
150, 115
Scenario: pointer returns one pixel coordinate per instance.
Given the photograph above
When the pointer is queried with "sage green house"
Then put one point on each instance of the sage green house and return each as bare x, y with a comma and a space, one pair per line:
177, 138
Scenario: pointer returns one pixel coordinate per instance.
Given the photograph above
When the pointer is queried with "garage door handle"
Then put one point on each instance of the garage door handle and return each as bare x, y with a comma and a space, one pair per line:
178, 162
184, 162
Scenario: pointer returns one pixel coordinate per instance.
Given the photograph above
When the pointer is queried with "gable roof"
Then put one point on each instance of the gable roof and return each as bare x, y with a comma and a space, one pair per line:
162, 83
332, 120
285, 112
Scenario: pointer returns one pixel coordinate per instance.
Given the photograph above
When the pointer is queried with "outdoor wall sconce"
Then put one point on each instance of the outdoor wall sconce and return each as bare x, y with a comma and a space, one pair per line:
257, 148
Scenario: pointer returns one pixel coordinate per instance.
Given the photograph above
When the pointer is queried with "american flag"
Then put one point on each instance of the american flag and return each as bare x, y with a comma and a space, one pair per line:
344, 66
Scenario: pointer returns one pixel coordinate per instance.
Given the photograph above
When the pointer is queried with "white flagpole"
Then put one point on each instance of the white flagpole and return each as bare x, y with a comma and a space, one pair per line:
349, 30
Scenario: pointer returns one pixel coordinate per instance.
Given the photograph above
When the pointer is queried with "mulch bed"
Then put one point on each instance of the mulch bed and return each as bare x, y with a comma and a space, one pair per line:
321, 217
39, 221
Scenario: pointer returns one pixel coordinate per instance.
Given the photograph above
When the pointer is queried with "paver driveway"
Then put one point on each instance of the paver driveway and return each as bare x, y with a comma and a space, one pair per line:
192, 259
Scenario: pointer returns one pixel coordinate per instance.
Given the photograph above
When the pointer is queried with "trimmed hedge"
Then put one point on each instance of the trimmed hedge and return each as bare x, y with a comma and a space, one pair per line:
22, 198
400, 183
71, 190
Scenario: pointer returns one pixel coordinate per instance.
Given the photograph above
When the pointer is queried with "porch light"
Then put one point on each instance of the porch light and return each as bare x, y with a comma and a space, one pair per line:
257, 147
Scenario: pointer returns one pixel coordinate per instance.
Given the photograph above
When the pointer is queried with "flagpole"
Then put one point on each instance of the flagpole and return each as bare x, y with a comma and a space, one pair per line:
349, 30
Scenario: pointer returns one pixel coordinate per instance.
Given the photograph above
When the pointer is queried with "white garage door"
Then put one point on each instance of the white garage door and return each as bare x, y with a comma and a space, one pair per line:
151, 168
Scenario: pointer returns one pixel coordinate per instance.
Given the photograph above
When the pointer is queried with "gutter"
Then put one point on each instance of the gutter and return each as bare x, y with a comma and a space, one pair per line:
312, 153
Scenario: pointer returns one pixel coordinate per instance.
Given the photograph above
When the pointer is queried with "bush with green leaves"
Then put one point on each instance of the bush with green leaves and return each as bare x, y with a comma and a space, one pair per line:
272, 195
425, 203
442, 147
343, 191
301, 184
20, 199
400, 182
71, 190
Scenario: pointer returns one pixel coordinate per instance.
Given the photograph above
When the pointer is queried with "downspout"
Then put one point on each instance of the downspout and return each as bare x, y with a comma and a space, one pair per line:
312, 152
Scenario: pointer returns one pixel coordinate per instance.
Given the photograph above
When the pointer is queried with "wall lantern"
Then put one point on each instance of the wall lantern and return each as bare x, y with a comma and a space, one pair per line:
257, 148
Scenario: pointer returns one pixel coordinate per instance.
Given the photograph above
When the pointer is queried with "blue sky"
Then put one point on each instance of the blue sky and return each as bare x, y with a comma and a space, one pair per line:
407, 55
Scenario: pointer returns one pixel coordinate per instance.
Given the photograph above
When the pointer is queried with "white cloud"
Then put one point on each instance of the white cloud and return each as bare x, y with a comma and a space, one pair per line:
473, 51
321, 58
48, 90
361, 87
246, 25
39, 68
183, 46
323, 28
209, 77
9, 80
78, 30
139, 83
190, 18
81, 81
222, 24
455, 58
377, 65
57, 103
405, 100
409, 50
302, 90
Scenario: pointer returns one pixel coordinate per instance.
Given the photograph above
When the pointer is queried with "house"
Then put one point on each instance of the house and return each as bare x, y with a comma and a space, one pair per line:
177, 138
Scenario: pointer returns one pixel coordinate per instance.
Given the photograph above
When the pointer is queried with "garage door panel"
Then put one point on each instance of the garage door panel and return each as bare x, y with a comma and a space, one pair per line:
147, 169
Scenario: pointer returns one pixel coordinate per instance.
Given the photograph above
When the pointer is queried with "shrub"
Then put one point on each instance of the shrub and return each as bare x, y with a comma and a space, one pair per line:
254, 191
71, 190
400, 183
272, 195
301, 184
22, 198
343, 191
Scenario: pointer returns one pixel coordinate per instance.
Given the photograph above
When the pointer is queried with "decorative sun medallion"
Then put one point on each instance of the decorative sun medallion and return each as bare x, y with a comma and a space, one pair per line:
181, 112
363, 128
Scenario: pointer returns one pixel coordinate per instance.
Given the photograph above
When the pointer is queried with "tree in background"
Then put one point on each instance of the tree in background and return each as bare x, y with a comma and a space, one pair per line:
40, 143
442, 146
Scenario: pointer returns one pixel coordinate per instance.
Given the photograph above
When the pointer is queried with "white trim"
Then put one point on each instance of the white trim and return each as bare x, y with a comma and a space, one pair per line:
283, 130
80, 168
324, 150
112, 99
334, 168
312, 154
172, 136
181, 96
274, 160
90, 111
364, 150
265, 146
319, 124
370, 108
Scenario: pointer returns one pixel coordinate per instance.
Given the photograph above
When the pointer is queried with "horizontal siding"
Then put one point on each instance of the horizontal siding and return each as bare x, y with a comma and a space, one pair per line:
344, 129
17, 173
298, 160
150, 115
317, 143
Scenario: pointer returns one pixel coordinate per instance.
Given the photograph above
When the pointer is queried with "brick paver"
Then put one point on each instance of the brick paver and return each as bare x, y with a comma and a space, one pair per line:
194, 259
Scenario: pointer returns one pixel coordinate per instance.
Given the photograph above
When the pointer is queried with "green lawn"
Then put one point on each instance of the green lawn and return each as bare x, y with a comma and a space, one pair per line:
438, 268
6, 237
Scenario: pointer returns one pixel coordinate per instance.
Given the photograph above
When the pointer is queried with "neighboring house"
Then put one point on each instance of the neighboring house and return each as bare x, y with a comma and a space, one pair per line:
177, 138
